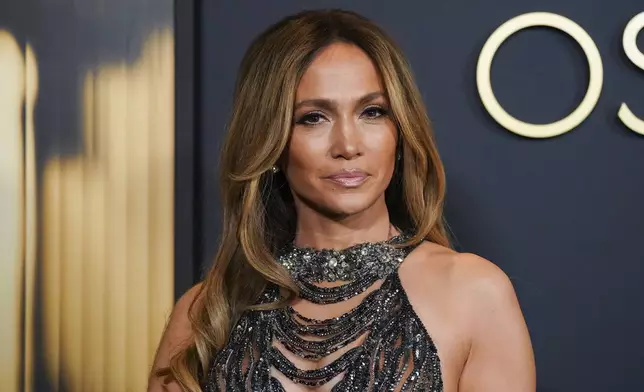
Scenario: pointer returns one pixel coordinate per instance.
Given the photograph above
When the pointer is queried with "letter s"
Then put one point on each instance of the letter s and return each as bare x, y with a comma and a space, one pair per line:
629, 41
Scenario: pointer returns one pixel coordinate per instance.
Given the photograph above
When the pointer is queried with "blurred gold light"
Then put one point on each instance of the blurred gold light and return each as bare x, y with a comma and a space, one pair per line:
30, 200
12, 210
108, 228
106, 267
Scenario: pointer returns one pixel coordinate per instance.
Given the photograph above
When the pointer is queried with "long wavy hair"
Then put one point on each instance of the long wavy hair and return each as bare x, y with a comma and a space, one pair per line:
258, 213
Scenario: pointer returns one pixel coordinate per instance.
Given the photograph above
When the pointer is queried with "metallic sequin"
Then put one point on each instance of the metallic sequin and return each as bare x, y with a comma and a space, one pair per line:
397, 352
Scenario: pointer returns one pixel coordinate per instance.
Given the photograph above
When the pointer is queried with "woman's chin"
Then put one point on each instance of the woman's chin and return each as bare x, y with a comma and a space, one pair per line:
351, 205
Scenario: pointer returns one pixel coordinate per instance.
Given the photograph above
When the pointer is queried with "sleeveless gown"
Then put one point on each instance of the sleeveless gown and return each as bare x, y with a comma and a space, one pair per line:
396, 354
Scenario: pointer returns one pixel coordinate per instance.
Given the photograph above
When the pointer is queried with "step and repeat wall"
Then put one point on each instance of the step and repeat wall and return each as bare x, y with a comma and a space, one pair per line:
86, 192
538, 109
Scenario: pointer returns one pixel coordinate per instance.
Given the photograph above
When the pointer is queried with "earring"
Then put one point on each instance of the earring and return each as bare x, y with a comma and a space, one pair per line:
275, 169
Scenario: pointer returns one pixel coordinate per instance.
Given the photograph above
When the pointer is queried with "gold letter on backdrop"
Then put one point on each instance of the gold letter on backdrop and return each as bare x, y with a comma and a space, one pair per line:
629, 40
485, 65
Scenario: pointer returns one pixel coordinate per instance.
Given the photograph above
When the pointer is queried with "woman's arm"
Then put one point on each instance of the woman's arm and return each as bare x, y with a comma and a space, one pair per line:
177, 335
501, 357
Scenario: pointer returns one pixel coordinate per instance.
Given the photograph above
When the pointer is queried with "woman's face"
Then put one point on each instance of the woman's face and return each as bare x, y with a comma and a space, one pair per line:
342, 150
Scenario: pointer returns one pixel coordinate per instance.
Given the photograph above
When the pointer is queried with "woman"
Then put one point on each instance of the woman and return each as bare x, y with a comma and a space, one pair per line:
334, 268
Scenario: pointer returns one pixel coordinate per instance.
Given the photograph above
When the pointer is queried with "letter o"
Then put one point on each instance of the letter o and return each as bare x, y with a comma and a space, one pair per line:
567, 123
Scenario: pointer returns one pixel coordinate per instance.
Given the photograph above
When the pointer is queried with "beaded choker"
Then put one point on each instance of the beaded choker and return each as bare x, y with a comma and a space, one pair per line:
359, 265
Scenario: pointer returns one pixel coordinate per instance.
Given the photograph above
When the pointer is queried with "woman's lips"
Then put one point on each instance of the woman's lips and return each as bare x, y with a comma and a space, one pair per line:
348, 179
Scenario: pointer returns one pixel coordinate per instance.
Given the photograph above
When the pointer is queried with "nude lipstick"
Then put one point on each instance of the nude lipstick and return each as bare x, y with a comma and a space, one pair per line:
352, 178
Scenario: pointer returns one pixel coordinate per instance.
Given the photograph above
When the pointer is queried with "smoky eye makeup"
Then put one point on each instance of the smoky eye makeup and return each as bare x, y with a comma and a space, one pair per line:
374, 112
369, 111
310, 118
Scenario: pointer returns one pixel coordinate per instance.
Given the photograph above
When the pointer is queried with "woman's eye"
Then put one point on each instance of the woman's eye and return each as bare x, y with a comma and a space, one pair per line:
311, 119
374, 112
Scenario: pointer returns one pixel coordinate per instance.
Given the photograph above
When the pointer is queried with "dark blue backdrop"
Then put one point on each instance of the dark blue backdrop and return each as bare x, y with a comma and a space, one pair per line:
564, 217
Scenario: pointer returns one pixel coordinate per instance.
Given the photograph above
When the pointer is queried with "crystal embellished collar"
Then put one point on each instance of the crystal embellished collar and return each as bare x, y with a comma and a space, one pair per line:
377, 259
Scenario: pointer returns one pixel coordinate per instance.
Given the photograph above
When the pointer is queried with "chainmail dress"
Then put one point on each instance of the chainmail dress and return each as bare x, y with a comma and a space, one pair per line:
396, 353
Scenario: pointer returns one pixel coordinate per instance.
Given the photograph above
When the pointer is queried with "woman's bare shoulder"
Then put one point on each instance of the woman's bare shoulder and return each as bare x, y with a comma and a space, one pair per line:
437, 278
459, 273
176, 336
471, 307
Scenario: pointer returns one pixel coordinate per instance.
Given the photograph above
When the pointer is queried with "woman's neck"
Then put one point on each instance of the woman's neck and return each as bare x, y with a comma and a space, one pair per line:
320, 232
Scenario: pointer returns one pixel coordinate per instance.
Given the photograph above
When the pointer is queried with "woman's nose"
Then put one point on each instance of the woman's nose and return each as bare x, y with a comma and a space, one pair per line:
346, 139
